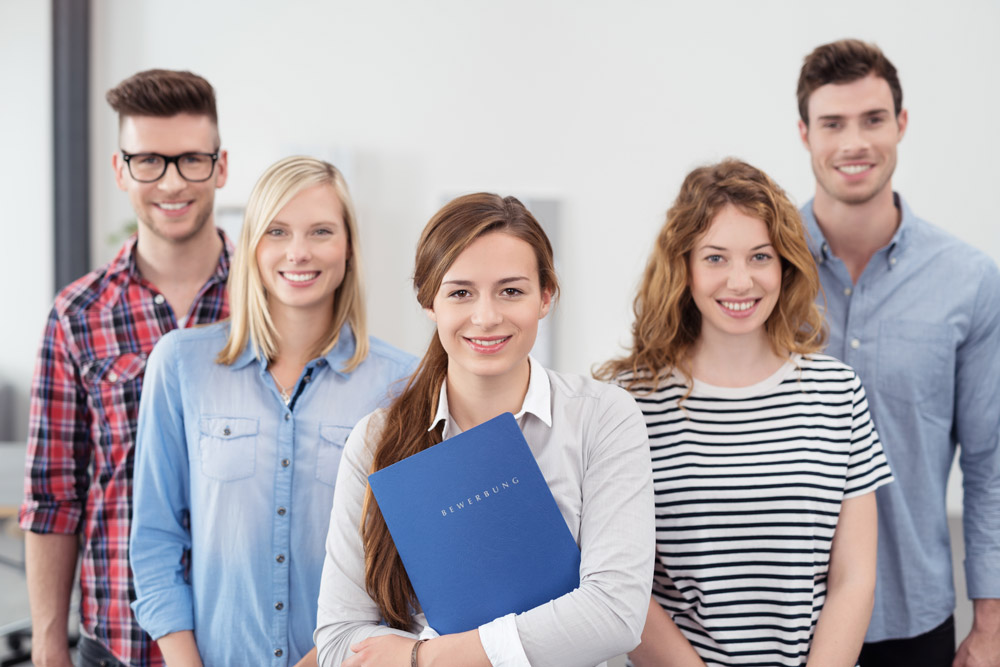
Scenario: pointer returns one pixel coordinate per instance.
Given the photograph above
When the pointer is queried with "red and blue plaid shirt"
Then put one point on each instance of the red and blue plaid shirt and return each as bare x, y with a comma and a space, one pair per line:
81, 437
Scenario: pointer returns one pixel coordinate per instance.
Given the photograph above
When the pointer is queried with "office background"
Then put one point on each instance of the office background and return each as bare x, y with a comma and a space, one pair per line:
597, 107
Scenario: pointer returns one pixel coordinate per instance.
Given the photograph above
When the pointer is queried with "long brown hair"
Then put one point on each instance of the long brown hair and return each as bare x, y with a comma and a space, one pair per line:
667, 321
404, 428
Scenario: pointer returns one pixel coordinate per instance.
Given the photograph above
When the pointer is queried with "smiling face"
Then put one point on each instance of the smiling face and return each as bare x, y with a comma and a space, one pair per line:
173, 209
852, 136
734, 276
302, 256
487, 309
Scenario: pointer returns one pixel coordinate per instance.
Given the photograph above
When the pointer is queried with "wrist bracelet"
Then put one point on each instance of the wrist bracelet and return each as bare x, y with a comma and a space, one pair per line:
413, 653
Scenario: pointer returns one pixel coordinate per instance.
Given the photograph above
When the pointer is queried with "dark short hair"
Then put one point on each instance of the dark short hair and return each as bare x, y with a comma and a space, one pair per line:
844, 61
162, 93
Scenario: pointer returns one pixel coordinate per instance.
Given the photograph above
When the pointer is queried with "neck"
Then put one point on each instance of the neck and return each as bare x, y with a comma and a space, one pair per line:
300, 332
734, 361
474, 399
174, 265
855, 232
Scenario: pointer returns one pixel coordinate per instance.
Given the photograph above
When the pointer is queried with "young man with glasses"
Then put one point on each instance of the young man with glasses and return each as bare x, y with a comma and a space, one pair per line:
85, 394
916, 313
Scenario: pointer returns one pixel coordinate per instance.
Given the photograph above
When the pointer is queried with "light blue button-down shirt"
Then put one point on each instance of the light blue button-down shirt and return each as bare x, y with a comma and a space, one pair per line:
922, 329
218, 450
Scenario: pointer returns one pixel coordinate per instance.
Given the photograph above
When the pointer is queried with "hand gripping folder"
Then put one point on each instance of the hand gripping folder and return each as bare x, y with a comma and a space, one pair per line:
477, 528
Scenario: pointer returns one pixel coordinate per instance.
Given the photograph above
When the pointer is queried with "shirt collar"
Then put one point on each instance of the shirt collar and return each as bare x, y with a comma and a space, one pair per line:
537, 400
124, 261
336, 358
820, 249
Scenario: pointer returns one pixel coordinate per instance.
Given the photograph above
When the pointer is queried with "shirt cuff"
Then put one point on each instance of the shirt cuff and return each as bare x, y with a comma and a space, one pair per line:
982, 577
502, 643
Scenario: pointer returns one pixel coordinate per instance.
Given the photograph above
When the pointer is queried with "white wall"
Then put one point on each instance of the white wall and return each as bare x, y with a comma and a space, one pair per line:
26, 190
602, 105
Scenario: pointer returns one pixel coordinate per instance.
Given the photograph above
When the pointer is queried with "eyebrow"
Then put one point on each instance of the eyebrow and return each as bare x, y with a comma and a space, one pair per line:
468, 283
719, 247
839, 116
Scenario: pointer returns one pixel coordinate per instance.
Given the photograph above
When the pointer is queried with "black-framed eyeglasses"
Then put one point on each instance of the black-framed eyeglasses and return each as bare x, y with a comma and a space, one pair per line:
150, 167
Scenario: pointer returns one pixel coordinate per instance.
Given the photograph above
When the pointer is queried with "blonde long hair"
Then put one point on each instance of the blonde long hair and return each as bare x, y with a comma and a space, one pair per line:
667, 321
250, 319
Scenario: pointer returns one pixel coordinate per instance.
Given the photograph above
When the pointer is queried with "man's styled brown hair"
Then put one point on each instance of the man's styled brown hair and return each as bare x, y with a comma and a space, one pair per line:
844, 61
162, 93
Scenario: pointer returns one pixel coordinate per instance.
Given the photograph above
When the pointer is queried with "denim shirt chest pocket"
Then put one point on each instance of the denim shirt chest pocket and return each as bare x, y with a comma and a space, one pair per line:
228, 447
916, 364
329, 450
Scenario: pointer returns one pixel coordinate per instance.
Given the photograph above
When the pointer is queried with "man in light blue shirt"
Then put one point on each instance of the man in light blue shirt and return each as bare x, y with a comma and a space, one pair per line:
917, 313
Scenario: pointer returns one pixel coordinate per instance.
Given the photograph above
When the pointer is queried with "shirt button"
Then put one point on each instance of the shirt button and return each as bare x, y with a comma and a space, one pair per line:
158, 299
281, 511
280, 558
278, 653
279, 606
226, 431
112, 377
285, 463
288, 415
847, 291
855, 343
892, 260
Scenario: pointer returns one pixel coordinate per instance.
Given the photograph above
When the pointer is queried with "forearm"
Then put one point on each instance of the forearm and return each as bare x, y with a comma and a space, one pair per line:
50, 566
308, 660
850, 586
179, 649
842, 624
663, 644
459, 650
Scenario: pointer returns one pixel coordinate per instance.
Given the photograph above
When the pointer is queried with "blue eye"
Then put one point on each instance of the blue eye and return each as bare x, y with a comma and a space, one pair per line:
762, 257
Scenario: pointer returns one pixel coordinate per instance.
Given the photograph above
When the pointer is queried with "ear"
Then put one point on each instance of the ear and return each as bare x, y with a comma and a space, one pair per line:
222, 169
118, 165
804, 133
902, 120
431, 315
546, 303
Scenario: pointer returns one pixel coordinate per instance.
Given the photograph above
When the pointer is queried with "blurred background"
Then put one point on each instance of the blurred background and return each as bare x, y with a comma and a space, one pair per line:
591, 110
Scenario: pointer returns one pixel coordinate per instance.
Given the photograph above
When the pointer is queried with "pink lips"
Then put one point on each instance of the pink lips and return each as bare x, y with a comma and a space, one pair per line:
300, 283
174, 213
488, 349
740, 314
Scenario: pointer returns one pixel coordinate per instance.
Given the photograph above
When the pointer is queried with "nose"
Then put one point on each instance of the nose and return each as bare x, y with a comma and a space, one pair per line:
298, 251
486, 315
853, 140
739, 279
171, 181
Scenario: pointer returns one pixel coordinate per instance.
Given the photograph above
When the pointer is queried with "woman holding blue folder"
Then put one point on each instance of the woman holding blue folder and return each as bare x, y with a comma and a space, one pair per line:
241, 426
764, 455
484, 275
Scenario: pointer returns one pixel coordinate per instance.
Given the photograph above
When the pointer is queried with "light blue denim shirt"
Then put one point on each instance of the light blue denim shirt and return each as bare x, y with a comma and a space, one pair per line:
922, 329
230, 475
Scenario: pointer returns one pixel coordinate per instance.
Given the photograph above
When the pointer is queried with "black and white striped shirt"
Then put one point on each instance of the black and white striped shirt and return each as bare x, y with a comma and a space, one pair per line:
748, 488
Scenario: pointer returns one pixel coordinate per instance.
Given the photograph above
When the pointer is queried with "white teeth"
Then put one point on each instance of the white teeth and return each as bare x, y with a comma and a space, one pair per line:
487, 343
742, 305
854, 168
300, 277
173, 206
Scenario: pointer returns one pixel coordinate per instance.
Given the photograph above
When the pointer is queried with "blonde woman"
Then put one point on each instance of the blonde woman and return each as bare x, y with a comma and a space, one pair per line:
764, 455
241, 428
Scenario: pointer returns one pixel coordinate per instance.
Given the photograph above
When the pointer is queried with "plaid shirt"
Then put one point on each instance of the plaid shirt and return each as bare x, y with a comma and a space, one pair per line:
84, 408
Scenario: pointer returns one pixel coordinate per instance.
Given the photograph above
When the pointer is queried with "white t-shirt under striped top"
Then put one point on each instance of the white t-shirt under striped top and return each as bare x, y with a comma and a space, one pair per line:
748, 487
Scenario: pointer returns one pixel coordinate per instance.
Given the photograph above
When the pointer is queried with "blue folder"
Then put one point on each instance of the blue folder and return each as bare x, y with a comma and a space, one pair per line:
477, 528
